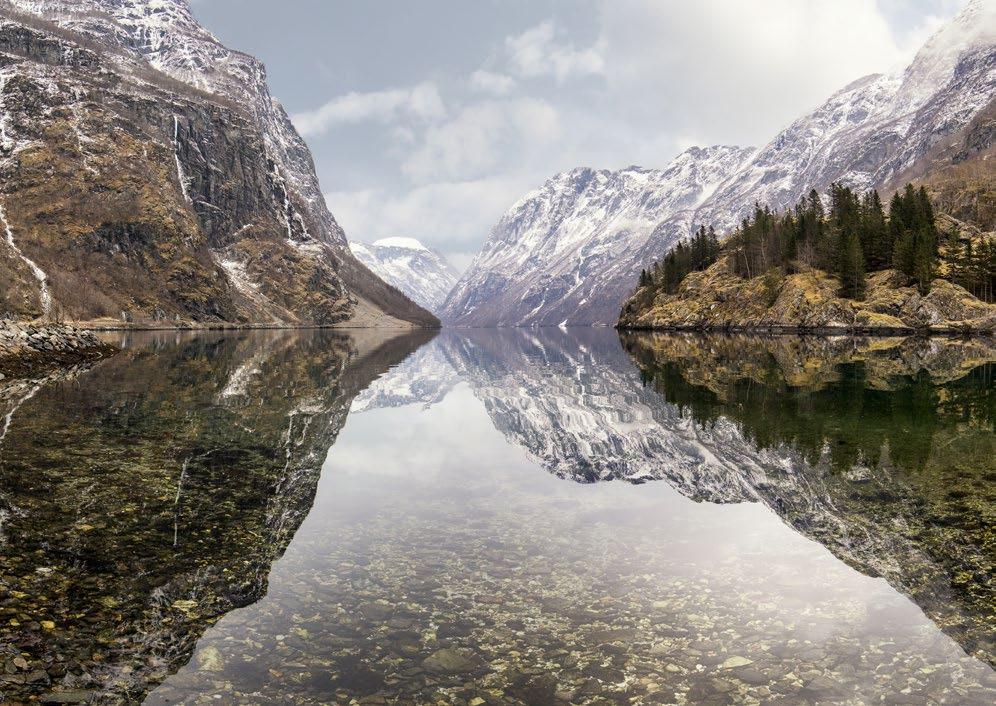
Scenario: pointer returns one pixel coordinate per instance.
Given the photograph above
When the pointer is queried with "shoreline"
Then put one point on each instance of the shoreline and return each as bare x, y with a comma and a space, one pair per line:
28, 349
822, 331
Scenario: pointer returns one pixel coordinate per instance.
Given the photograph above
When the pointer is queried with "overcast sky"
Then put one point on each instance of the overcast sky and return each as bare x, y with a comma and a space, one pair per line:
429, 119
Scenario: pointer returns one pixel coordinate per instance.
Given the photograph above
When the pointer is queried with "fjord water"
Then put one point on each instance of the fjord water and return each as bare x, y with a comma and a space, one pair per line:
488, 517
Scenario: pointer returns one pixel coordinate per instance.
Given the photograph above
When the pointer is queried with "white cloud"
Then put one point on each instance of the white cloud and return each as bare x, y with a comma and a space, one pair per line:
737, 71
420, 102
477, 138
453, 217
490, 82
536, 52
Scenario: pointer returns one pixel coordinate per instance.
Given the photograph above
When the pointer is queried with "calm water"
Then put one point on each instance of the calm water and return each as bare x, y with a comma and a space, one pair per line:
501, 517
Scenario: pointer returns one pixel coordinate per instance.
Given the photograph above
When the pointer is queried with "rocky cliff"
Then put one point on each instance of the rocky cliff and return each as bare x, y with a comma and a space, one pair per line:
719, 299
148, 175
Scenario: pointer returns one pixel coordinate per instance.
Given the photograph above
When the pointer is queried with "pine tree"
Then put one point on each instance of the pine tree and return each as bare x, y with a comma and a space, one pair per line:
852, 270
876, 242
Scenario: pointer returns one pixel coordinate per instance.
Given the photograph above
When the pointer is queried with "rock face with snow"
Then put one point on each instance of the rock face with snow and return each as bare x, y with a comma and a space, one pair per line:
149, 174
568, 252
423, 275
870, 131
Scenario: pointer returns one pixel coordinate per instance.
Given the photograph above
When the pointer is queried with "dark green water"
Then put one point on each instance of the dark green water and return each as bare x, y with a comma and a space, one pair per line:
540, 517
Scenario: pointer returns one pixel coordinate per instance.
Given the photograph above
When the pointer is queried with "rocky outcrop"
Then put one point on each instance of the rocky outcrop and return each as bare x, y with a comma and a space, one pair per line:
718, 299
149, 176
28, 348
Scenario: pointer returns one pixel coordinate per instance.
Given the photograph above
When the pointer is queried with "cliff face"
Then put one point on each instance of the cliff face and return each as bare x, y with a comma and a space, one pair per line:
149, 175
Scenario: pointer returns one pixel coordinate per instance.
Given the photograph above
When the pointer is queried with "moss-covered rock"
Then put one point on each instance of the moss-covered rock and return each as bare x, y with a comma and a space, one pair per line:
718, 299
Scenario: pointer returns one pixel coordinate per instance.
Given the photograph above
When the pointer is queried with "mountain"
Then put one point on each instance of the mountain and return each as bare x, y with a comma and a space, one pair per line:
866, 135
870, 131
148, 174
423, 275
568, 252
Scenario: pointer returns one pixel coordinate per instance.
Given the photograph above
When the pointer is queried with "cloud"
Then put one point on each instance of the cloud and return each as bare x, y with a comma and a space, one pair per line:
420, 102
452, 217
477, 139
536, 52
731, 71
490, 82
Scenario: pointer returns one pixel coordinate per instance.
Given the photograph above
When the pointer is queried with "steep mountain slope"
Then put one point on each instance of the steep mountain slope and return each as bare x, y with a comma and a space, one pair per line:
551, 259
148, 174
568, 252
423, 275
871, 131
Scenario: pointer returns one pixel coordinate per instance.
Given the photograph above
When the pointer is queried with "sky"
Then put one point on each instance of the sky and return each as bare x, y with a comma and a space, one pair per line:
429, 119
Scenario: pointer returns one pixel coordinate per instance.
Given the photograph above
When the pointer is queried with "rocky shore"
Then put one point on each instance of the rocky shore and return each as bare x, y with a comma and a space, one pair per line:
717, 299
27, 348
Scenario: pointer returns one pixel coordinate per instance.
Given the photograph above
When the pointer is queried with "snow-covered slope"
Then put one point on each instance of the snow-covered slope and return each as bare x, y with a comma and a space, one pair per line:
570, 251
871, 130
423, 275
567, 253
266, 247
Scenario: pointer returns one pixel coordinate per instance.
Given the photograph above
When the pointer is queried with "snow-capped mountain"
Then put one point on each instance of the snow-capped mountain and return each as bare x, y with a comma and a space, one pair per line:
570, 251
423, 275
212, 186
567, 253
871, 130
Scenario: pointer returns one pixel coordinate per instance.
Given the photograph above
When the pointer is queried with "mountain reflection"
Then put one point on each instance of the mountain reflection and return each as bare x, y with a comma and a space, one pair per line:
881, 450
144, 499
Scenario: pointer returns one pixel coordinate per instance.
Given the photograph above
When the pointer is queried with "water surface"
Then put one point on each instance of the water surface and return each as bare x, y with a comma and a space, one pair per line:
502, 517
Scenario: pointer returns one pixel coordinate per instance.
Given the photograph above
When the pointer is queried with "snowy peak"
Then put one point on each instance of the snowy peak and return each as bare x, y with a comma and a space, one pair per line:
971, 29
421, 274
403, 243
570, 251
567, 251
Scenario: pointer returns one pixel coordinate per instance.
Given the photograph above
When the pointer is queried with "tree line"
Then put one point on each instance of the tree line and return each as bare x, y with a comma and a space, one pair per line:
850, 238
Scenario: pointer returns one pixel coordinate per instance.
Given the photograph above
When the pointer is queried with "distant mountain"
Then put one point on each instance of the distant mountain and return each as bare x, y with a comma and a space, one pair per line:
423, 275
148, 174
570, 252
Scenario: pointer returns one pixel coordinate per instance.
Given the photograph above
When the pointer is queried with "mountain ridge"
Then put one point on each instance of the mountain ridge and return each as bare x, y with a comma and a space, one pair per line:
185, 194
566, 242
863, 135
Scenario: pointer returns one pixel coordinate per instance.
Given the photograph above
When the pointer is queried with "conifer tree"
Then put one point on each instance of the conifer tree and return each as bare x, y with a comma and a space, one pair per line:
852, 268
